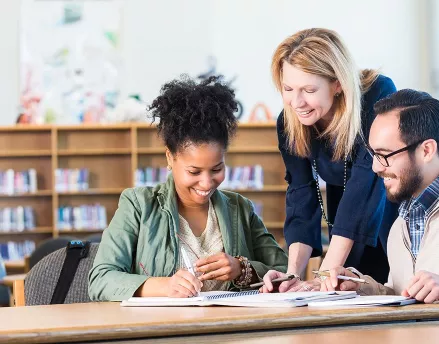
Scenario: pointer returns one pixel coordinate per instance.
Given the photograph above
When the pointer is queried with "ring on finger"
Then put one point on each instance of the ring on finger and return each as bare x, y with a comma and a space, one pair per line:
306, 287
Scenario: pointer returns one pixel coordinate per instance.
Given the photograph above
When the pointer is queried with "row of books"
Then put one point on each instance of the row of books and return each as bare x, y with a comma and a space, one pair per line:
17, 219
71, 179
13, 182
12, 250
82, 217
244, 177
150, 176
237, 177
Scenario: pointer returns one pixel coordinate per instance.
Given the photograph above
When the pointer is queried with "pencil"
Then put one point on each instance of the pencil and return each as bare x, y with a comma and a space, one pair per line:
346, 278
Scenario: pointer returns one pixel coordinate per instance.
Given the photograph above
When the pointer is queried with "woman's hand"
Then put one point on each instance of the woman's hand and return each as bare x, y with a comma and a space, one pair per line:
283, 287
183, 284
221, 267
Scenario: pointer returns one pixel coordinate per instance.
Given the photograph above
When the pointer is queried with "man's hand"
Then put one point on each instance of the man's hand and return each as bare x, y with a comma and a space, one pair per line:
282, 287
333, 283
424, 286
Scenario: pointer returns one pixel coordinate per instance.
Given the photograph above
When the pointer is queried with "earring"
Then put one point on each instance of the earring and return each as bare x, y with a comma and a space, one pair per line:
169, 168
336, 95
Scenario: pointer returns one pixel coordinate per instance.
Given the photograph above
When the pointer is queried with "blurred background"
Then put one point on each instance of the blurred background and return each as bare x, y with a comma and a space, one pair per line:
84, 61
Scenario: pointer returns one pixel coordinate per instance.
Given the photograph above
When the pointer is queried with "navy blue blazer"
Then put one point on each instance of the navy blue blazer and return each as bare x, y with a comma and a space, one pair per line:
361, 212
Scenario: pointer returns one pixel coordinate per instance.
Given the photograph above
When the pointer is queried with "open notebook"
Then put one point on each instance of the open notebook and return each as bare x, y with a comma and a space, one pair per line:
240, 299
366, 301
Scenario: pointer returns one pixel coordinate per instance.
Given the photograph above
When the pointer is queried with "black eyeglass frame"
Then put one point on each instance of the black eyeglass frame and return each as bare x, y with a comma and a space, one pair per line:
380, 156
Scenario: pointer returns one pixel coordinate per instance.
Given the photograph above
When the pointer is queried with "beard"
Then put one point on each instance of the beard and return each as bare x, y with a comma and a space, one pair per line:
410, 181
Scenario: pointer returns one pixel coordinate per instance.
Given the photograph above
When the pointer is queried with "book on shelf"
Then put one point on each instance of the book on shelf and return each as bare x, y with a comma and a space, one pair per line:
150, 176
71, 179
241, 299
18, 182
243, 177
12, 250
17, 219
82, 217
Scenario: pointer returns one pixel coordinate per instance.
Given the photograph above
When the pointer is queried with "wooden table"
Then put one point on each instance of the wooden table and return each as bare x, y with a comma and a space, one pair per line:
105, 321
413, 333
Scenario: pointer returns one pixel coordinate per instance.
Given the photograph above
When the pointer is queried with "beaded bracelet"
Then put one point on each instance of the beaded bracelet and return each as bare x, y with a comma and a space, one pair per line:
246, 272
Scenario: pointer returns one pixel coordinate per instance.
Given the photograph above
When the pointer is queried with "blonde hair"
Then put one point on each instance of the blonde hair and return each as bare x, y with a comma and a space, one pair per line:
322, 52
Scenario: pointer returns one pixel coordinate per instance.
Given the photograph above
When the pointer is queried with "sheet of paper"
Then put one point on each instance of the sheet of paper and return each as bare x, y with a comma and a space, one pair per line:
364, 301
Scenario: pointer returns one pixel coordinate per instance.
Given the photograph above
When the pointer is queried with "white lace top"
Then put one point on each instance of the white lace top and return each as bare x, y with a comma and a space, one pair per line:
207, 244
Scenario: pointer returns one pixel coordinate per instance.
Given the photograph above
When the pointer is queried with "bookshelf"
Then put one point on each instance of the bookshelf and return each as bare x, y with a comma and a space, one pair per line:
112, 153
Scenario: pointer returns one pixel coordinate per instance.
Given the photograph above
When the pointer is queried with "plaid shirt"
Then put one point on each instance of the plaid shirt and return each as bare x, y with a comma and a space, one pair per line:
416, 210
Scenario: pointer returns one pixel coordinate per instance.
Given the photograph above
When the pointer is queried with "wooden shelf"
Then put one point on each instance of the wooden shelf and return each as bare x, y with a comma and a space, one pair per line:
37, 230
25, 153
14, 264
106, 191
40, 193
155, 150
110, 151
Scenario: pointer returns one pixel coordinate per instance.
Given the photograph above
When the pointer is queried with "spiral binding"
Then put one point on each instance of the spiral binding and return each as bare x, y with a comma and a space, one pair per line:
236, 294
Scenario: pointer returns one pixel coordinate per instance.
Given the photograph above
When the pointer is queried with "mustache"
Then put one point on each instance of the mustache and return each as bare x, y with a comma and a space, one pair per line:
386, 175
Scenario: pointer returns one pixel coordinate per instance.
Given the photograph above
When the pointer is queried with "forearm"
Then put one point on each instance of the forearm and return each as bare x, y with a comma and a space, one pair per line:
153, 286
298, 257
338, 252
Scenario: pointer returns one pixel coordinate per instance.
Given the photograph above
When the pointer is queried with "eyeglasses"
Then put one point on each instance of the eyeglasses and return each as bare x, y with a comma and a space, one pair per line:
383, 159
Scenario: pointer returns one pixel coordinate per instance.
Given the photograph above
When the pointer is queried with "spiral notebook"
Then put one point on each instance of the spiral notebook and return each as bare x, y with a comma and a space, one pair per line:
251, 298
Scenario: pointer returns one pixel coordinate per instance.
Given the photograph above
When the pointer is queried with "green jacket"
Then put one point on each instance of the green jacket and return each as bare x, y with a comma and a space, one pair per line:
143, 230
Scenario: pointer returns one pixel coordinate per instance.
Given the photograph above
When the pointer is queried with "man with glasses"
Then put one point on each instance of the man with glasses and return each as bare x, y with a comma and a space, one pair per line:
403, 143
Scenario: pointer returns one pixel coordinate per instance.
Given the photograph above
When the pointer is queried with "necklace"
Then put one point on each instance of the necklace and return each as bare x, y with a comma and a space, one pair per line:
319, 193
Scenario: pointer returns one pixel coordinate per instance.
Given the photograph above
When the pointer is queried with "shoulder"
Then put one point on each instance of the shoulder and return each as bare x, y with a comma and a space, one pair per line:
236, 199
138, 197
381, 88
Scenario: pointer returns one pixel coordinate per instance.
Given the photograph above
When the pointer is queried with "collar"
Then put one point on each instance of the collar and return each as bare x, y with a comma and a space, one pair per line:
428, 199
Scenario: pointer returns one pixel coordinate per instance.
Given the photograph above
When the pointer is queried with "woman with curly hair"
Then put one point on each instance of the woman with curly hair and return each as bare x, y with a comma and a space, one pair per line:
140, 250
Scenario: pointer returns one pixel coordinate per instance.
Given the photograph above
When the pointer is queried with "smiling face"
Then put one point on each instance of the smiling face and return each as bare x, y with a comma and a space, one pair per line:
403, 178
198, 170
310, 96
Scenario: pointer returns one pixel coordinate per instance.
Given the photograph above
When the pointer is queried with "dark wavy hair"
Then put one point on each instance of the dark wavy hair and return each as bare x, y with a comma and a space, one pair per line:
194, 113
418, 114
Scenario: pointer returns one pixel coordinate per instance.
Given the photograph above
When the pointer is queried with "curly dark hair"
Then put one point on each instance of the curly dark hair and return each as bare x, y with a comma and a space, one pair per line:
194, 113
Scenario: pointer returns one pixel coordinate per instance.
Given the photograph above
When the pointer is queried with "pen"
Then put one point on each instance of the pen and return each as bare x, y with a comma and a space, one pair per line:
281, 279
186, 261
346, 278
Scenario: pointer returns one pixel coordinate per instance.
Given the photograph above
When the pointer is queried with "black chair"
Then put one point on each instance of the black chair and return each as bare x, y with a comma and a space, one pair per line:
95, 238
41, 280
46, 247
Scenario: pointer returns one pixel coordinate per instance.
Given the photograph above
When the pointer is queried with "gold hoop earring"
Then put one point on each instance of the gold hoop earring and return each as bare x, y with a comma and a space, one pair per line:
169, 168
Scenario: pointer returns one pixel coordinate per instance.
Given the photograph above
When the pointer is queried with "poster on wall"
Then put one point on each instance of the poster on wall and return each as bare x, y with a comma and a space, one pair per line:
70, 60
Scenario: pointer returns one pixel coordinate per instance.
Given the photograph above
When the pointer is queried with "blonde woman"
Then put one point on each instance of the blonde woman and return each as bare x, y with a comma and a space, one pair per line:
328, 110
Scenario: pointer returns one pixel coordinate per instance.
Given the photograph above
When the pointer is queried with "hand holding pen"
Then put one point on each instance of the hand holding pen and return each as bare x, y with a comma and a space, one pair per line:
285, 282
339, 278
184, 283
